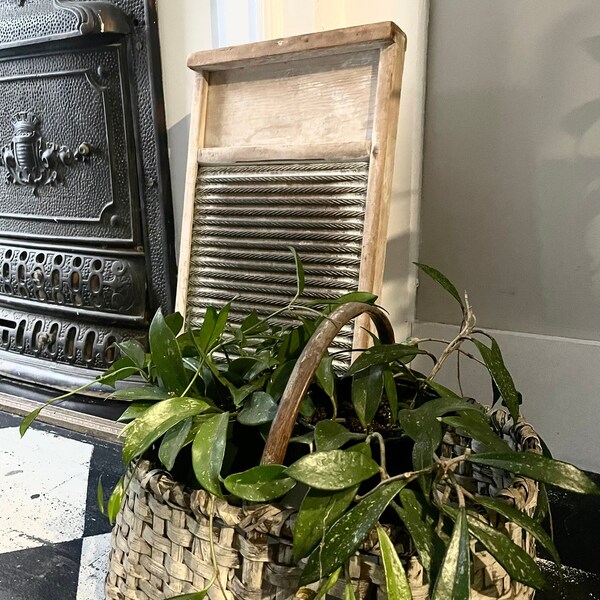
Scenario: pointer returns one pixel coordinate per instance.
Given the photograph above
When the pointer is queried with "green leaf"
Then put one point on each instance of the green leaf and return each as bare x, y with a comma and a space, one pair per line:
135, 410
292, 344
367, 391
330, 435
115, 501
172, 443
348, 532
542, 508
144, 392
396, 583
299, 272
212, 327
133, 350
29, 419
174, 322
440, 389
307, 407
100, 495
322, 593
391, 393
333, 470
522, 520
208, 451
166, 355
454, 579
239, 395
119, 370
475, 425
259, 410
440, 278
383, 355
492, 357
326, 376
260, 484
517, 563
364, 297
318, 511
193, 596
157, 420
540, 468
349, 592
305, 438
420, 525
253, 324
279, 379
416, 421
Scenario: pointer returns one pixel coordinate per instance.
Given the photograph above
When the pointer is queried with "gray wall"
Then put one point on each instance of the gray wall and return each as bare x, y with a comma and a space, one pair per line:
511, 196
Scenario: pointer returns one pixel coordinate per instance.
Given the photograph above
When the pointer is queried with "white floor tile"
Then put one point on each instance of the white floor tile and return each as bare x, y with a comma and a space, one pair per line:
94, 564
43, 489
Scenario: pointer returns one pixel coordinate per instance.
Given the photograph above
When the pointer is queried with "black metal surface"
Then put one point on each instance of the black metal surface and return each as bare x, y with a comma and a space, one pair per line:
86, 224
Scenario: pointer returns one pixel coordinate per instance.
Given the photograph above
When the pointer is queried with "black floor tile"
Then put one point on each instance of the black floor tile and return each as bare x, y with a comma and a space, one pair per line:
48, 573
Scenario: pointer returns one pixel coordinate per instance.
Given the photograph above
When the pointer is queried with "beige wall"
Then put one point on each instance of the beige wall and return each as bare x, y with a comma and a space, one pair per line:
511, 198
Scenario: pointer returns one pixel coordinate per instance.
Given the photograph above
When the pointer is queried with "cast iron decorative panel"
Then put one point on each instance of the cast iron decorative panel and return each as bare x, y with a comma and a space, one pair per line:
246, 218
86, 240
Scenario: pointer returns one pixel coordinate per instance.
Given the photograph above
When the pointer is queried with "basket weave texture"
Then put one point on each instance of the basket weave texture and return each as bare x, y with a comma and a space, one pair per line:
161, 540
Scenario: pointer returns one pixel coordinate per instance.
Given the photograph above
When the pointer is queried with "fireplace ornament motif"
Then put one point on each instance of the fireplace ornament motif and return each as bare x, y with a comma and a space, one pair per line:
32, 161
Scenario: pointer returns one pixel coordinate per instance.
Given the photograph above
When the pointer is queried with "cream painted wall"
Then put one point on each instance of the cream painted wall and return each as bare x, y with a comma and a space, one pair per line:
208, 24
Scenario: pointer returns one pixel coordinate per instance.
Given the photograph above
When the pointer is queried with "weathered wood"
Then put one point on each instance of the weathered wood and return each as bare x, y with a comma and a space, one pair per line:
197, 127
231, 155
306, 367
347, 39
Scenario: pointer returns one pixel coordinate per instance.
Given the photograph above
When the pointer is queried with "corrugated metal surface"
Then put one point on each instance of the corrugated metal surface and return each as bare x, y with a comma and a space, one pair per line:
246, 217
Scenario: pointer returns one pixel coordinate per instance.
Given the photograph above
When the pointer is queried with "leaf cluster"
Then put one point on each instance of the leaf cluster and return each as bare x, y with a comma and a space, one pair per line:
203, 398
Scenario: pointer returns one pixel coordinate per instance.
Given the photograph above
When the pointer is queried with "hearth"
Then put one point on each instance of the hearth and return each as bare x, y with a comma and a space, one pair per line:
86, 241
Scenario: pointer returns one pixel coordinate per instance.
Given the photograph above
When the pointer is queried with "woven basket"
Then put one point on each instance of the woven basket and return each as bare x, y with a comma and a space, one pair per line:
161, 542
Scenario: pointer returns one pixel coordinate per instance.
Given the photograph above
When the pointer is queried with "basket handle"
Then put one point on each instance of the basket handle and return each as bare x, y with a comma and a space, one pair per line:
306, 367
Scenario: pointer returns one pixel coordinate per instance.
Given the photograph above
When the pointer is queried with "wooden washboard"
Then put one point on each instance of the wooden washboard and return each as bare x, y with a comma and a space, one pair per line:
291, 144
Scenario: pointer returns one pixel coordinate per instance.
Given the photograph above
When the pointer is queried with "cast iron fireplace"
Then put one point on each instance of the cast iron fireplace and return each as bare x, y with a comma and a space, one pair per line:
86, 228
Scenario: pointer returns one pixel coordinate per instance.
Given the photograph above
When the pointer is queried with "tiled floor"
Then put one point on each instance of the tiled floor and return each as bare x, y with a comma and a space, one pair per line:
53, 540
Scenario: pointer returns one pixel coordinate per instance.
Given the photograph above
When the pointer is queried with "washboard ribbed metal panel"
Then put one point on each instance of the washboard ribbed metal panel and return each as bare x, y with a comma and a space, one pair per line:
247, 216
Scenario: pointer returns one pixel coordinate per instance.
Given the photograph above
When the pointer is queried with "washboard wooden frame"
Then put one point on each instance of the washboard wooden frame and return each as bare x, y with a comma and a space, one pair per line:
320, 105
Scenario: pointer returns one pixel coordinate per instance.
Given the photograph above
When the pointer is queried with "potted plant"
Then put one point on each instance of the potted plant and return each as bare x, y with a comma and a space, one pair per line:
259, 465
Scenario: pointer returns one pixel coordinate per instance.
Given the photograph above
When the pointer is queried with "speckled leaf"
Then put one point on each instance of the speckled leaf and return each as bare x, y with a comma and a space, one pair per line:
156, 421
260, 409
492, 357
166, 355
333, 470
330, 435
172, 443
440, 278
208, 451
325, 376
523, 520
517, 563
383, 355
260, 484
319, 510
367, 391
475, 425
441, 390
391, 393
143, 392
454, 579
348, 532
539, 468
135, 410
396, 582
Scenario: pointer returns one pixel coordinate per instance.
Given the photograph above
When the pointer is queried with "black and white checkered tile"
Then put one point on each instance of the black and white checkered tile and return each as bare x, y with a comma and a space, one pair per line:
54, 542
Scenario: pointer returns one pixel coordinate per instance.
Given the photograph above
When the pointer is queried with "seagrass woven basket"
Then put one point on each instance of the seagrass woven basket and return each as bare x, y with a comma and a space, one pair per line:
161, 542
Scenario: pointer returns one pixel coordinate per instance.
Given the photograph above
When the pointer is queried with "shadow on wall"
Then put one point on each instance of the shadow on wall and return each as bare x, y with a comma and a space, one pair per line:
509, 208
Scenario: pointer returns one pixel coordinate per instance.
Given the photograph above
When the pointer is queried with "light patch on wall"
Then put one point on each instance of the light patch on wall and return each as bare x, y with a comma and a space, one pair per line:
93, 567
43, 487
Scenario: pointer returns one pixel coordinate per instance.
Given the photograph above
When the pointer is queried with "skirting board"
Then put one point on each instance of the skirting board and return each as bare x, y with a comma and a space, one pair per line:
558, 377
103, 429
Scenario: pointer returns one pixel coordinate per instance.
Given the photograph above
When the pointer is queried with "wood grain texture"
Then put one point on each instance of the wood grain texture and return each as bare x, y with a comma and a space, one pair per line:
312, 45
197, 127
324, 100
294, 152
